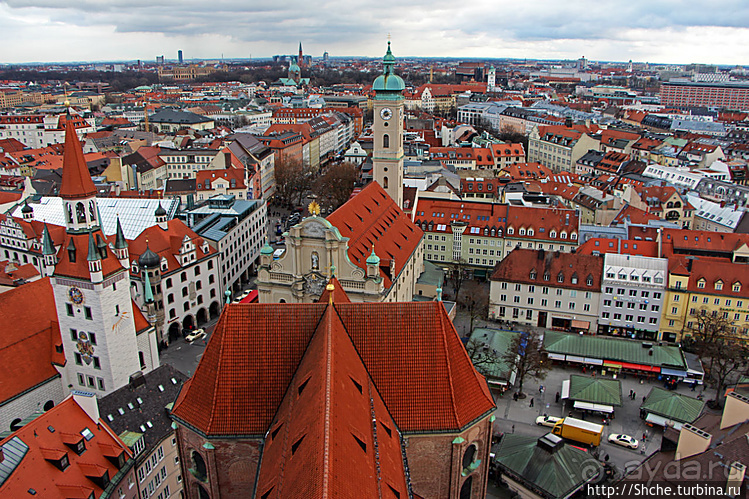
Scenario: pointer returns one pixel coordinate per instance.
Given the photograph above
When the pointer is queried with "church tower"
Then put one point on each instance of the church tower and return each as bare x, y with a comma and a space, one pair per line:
387, 157
300, 59
92, 288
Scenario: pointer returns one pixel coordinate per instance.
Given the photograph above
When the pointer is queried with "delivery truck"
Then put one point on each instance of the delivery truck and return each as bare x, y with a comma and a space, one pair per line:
578, 430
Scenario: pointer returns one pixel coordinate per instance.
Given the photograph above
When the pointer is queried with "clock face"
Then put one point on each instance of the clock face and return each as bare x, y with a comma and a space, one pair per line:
386, 113
75, 295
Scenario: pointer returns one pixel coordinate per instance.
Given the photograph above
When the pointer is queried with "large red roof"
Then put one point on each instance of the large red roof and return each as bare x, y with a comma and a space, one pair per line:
76, 179
371, 218
411, 351
49, 437
565, 270
167, 243
79, 267
326, 421
31, 338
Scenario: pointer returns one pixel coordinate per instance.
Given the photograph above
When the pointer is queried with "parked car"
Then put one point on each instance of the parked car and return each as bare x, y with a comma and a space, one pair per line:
547, 420
198, 334
623, 440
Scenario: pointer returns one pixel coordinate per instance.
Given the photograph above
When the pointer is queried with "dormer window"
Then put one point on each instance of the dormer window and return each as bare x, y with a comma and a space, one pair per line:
701, 284
521, 232
589, 280
547, 276
573, 236
134, 267
719, 285
510, 231
560, 277
533, 274
553, 234
563, 235
574, 278
736, 287
530, 232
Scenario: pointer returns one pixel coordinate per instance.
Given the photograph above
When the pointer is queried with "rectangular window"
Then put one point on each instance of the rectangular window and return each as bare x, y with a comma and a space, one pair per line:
530, 300
100, 382
617, 317
90, 381
516, 299
656, 296
605, 315
78, 359
629, 318
88, 315
572, 305
69, 309
609, 290
81, 380
518, 287
97, 364
92, 338
653, 320
674, 310
557, 304
73, 335
586, 307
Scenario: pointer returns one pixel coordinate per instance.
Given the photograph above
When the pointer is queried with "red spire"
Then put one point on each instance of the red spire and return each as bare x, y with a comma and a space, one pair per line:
76, 179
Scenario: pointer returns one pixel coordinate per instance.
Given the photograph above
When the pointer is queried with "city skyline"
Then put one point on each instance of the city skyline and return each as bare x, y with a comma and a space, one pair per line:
655, 32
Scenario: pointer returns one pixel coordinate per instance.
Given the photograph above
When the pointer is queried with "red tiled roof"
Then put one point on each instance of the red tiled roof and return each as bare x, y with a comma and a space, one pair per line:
633, 215
10, 272
31, 336
520, 263
12, 145
326, 422
167, 243
371, 218
79, 267
139, 319
503, 150
686, 240
715, 271
212, 175
526, 171
9, 196
76, 179
604, 245
423, 373
35, 471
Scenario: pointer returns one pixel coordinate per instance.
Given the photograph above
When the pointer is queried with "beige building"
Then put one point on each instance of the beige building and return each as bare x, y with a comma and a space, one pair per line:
372, 248
559, 147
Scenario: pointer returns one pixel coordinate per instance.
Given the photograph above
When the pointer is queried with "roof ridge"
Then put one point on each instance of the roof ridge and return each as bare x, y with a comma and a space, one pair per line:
214, 405
449, 369
327, 315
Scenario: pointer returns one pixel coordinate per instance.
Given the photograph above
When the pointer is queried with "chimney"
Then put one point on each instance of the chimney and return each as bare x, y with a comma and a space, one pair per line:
692, 441
735, 478
227, 160
137, 379
87, 402
735, 410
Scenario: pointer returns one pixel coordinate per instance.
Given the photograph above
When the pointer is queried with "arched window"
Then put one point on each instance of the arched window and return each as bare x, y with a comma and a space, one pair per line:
69, 212
465, 490
199, 470
385, 181
80, 213
91, 210
468, 455
49, 405
386, 141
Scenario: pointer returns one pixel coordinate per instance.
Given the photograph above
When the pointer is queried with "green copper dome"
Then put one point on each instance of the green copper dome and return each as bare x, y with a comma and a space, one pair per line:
267, 249
373, 259
388, 81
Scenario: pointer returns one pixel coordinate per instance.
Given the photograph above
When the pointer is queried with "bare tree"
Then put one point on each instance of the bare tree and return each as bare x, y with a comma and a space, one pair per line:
333, 188
484, 358
457, 275
474, 299
293, 180
711, 337
527, 358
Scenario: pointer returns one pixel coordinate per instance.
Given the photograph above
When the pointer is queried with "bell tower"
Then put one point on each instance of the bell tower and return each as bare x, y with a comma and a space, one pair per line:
91, 285
387, 156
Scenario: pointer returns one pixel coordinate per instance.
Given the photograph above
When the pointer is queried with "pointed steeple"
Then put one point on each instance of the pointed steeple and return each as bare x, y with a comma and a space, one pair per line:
76, 179
93, 251
147, 287
120, 242
48, 247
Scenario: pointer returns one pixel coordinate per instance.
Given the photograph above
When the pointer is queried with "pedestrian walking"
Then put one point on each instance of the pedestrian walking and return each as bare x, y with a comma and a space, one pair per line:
513, 428
557, 397
630, 393
634, 394
694, 385
541, 389
644, 398
531, 404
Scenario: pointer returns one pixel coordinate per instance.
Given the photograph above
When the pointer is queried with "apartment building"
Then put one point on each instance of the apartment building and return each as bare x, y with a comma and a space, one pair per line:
548, 289
633, 293
560, 147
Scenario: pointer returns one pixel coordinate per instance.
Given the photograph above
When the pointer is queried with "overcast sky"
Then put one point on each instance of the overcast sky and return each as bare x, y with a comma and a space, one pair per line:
663, 31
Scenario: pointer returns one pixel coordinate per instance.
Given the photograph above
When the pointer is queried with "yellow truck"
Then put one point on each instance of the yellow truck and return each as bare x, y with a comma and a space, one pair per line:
578, 430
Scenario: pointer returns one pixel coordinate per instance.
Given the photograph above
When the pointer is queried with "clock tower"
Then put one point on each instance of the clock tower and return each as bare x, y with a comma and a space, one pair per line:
387, 156
91, 284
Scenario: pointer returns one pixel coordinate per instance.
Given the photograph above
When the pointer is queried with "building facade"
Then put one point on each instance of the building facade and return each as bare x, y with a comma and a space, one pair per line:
633, 293
547, 289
